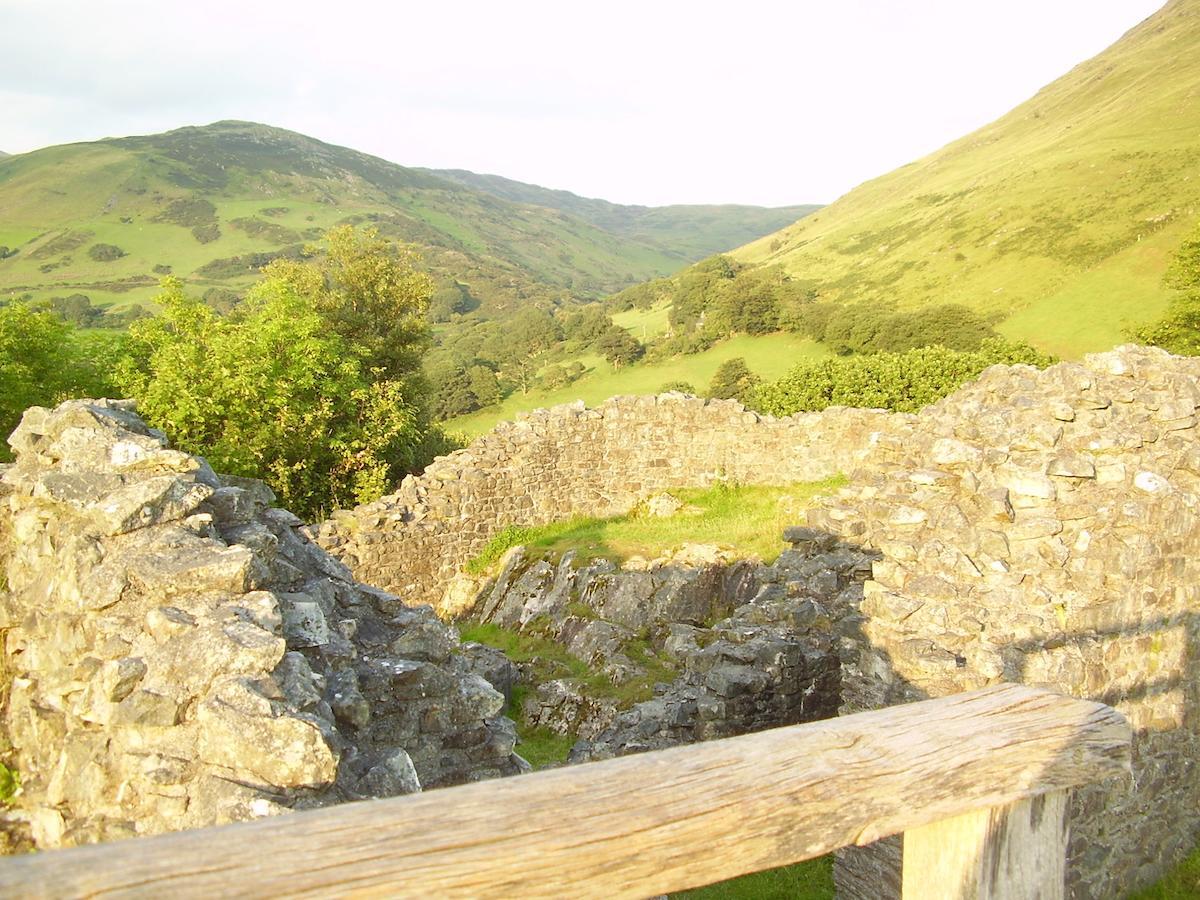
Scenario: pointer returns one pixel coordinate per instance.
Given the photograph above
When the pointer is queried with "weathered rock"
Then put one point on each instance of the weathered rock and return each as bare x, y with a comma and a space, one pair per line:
183, 655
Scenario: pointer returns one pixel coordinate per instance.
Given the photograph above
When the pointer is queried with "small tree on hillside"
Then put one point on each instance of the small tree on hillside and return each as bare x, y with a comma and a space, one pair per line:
733, 380
620, 347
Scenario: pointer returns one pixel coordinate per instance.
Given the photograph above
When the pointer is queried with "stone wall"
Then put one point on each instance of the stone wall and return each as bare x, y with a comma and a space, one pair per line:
181, 655
1044, 528
568, 461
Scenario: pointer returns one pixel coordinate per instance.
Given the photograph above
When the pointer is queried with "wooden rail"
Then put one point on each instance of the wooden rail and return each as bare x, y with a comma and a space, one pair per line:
976, 781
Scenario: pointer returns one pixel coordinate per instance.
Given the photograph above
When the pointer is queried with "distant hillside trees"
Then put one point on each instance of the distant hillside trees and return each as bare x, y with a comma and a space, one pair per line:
620, 347
1178, 331
449, 300
312, 383
871, 328
903, 382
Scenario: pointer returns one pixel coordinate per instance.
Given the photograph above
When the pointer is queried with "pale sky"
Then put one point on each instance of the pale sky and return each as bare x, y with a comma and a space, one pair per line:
648, 102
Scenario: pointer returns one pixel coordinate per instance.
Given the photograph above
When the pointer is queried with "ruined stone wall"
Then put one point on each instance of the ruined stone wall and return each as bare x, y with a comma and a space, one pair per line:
569, 461
182, 655
737, 645
1044, 528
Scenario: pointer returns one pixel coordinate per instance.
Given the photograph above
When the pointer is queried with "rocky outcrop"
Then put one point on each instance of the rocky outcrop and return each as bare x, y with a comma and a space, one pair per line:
740, 646
567, 461
182, 655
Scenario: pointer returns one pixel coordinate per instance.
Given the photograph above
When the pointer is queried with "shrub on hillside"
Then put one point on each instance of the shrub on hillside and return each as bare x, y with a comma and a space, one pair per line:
733, 380
870, 328
1178, 331
105, 252
903, 382
206, 234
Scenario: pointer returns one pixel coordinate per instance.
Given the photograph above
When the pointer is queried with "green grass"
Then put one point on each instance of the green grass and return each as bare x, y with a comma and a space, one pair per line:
644, 324
746, 518
10, 783
1182, 883
809, 880
769, 356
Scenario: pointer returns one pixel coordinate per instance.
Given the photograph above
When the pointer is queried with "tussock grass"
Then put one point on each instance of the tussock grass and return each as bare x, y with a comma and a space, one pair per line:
746, 518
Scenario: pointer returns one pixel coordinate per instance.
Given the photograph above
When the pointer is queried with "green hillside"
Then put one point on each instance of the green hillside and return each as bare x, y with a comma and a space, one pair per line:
1058, 218
769, 356
209, 204
685, 232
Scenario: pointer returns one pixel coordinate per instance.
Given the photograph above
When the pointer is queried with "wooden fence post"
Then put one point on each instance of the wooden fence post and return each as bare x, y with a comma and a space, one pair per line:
1013, 852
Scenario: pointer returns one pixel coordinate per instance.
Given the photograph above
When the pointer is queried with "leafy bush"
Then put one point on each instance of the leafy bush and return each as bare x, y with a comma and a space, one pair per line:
871, 328
1179, 330
684, 387
190, 212
312, 383
43, 361
903, 382
733, 380
206, 234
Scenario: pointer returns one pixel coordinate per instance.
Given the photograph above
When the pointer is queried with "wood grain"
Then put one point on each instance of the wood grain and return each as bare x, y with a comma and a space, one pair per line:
1014, 852
635, 826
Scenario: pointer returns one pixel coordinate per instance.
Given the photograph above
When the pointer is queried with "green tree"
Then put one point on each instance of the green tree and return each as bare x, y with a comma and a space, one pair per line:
311, 383
619, 347
485, 387
369, 291
42, 361
733, 380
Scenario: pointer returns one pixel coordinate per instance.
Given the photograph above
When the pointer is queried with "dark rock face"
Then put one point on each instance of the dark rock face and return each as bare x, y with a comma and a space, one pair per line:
750, 646
182, 655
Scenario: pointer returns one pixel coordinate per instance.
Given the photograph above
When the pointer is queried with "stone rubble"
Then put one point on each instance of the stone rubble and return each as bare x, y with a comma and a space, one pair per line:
182, 655
753, 646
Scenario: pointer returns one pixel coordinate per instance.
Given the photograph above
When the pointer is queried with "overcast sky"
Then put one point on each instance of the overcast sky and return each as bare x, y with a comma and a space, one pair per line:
794, 101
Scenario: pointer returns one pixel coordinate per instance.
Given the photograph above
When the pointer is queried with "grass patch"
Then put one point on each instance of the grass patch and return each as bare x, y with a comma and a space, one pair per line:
748, 518
809, 880
1181, 883
10, 784
543, 659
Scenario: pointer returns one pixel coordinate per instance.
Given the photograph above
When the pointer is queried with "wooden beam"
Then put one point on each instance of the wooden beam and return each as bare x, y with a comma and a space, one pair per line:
635, 826
1004, 853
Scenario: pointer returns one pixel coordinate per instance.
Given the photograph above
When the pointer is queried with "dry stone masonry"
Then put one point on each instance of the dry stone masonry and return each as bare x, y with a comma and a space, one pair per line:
1044, 528
569, 460
182, 655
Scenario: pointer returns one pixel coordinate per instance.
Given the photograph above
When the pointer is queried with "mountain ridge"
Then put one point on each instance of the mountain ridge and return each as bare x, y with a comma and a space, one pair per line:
1058, 217
246, 190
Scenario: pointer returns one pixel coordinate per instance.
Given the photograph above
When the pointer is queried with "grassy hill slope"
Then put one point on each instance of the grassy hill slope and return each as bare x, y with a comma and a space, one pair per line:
200, 201
1058, 217
686, 232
